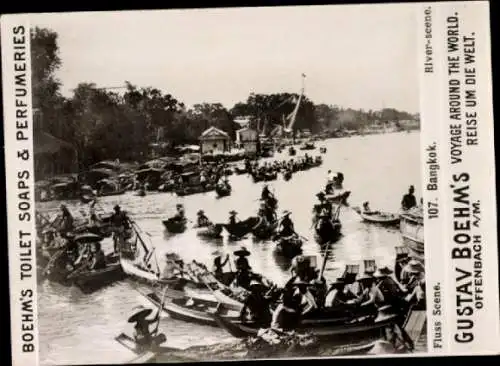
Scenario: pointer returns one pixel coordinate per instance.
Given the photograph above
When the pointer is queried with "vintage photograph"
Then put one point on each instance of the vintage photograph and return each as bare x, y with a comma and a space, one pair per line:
228, 184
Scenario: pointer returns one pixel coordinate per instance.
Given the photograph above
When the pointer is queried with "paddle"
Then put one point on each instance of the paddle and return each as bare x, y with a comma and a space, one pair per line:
160, 307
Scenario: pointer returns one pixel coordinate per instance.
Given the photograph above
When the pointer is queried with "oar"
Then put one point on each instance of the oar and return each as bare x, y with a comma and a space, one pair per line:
323, 266
160, 308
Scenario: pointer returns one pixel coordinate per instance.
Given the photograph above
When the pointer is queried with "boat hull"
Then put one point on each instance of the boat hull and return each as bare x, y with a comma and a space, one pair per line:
174, 227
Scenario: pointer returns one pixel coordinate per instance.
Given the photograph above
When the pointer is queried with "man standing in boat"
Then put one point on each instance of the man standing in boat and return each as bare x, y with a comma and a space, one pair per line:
243, 269
67, 221
202, 219
120, 223
143, 320
409, 201
286, 227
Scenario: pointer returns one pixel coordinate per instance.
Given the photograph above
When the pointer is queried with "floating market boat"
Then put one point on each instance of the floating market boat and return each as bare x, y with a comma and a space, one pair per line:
213, 231
264, 230
412, 230
289, 247
328, 236
378, 217
223, 190
242, 228
196, 311
90, 280
327, 324
175, 226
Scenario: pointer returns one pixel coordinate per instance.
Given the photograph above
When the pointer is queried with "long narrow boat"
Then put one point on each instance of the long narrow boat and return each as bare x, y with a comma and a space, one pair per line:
263, 230
112, 193
91, 280
223, 191
241, 228
378, 217
175, 226
196, 311
146, 355
412, 230
323, 327
213, 231
289, 247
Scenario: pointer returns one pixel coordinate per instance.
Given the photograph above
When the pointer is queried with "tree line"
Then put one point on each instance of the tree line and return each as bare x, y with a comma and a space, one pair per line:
104, 124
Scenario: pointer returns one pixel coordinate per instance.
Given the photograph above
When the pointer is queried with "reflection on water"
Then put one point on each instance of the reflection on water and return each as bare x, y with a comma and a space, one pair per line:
78, 328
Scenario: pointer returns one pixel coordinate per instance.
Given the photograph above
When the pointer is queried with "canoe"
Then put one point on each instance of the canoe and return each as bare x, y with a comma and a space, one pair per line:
321, 327
144, 355
241, 228
289, 247
114, 193
186, 191
377, 217
89, 280
320, 239
270, 176
338, 197
223, 191
263, 230
212, 231
175, 226
194, 311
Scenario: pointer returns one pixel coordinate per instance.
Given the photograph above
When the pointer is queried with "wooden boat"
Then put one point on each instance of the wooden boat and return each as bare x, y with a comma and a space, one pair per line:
213, 231
196, 311
341, 196
378, 217
175, 226
289, 246
189, 190
270, 176
412, 230
111, 193
322, 326
89, 280
263, 230
292, 151
321, 239
242, 228
146, 355
223, 190
240, 171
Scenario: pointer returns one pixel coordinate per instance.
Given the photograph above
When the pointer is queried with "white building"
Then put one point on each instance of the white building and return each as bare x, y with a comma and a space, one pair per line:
214, 141
247, 139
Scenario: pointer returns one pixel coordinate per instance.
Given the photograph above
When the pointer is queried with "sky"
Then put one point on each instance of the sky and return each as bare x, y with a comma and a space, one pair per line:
358, 56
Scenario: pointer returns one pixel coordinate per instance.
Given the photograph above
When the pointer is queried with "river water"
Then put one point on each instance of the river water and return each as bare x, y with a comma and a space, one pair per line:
80, 329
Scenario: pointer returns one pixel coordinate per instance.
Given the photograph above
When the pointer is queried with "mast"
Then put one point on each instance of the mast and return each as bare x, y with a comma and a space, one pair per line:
293, 115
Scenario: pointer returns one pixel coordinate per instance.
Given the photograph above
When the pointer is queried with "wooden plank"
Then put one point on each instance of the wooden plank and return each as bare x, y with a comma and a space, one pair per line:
415, 324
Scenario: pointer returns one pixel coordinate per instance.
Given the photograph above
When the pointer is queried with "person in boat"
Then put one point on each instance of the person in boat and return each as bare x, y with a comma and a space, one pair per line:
67, 221
97, 257
336, 295
120, 223
180, 213
392, 290
286, 316
257, 304
243, 269
233, 219
203, 179
266, 194
202, 220
143, 319
318, 288
307, 302
286, 227
411, 272
323, 204
409, 201
371, 298
219, 266
366, 207
263, 213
